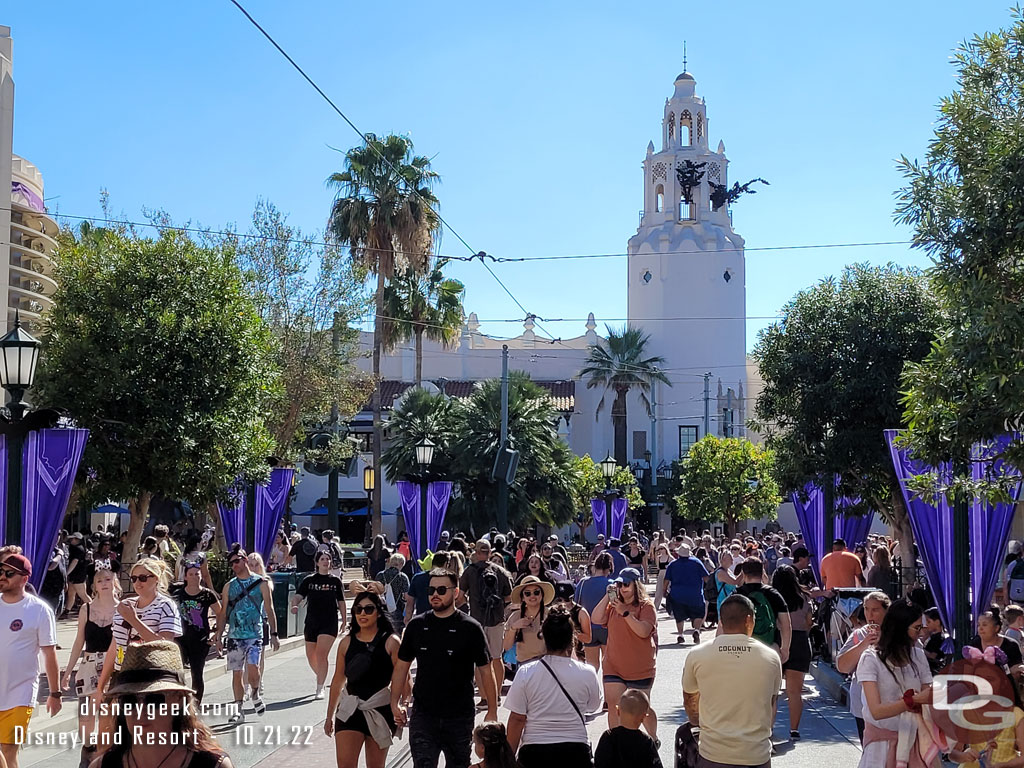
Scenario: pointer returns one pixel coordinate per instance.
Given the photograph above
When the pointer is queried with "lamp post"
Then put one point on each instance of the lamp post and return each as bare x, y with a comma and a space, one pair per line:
19, 353
368, 486
608, 469
424, 458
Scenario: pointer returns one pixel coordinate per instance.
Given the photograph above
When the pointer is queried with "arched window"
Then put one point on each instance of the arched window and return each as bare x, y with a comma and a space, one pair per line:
700, 127
671, 126
659, 198
685, 210
685, 128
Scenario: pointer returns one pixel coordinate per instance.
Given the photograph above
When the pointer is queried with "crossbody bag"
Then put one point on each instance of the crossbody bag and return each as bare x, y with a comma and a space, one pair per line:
562, 687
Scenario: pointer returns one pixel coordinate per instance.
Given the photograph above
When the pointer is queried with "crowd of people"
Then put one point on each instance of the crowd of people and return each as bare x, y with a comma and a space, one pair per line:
558, 636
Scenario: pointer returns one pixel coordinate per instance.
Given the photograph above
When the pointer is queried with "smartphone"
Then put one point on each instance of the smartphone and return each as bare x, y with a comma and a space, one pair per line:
613, 592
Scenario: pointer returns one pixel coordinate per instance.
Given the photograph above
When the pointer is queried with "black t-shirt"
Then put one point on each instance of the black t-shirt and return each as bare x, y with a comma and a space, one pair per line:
446, 652
81, 569
304, 552
805, 577
625, 746
775, 600
195, 609
1008, 646
323, 592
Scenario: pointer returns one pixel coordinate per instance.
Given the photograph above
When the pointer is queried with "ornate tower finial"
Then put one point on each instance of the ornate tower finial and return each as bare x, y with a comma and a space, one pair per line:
684, 55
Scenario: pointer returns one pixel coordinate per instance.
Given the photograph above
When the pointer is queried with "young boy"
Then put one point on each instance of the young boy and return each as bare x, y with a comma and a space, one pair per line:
1014, 616
626, 746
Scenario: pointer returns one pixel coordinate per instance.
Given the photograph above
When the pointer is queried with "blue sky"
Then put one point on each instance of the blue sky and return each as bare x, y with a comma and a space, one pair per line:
537, 115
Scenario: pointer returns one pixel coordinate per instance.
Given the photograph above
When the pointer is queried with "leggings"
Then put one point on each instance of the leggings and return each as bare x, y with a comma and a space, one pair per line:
194, 651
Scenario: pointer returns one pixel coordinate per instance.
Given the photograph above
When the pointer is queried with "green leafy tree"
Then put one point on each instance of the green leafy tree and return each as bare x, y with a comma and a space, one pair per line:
964, 206
727, 479
589, 481
386, 213
156, 347
831, 369
418, 306
621, 364
420, 415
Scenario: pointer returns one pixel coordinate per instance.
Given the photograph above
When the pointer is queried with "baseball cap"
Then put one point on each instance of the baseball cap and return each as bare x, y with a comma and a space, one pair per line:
552, 537
76, 535
20, 563
628, 576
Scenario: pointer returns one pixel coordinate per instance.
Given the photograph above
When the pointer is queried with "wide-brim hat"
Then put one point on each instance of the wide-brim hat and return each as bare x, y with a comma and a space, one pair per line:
547, 589
152, 667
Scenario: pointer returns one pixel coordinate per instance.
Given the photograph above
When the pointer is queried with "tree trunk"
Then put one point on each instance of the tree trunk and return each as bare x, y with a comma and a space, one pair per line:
904, 535
139, 509
619, 425
419, 355
377, 328
213, 511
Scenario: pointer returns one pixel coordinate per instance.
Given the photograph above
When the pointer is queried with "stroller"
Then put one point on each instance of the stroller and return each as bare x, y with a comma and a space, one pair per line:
834, 617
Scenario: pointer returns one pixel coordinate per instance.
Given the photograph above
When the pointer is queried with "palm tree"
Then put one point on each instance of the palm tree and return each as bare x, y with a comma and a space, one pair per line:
418, 305
386, 213
619, 366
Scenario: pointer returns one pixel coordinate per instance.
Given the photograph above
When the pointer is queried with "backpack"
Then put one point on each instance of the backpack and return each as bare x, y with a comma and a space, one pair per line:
764, 618
1015, 586
308, 547
490, 598
711, 587
335, 552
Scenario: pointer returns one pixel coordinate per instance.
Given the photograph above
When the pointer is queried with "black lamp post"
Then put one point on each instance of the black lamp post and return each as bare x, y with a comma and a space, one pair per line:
608, 469
368, 487
424, 458
19, 353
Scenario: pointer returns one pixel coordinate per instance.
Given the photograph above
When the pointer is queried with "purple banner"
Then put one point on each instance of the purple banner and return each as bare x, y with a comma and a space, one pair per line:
3, 489
271, 502
597, 512
438, 495
409, 495
32, 200
853, 529
988, 525
49, 465
619, 507
232, 515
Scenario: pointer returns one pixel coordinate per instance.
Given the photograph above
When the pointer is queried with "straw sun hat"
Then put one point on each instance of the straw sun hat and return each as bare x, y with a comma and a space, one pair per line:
152, 667
547, 588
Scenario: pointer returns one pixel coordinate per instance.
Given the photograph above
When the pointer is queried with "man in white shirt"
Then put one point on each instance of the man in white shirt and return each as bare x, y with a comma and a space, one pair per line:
735, 731
27, 626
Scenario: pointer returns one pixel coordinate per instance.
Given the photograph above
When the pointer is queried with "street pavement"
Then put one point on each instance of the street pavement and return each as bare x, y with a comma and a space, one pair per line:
292, 728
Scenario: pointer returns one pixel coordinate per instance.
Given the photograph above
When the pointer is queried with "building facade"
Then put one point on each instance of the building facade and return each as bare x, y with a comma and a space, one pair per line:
27, 281
685, 288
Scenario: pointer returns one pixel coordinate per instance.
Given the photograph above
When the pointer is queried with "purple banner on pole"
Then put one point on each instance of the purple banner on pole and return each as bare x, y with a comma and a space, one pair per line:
619, 507
597, 511
438, 495
232, 515
990, 523
409, 495
271, 502
49, 465
811, 516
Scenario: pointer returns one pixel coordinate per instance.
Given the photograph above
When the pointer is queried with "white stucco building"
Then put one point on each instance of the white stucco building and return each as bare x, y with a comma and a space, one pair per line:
27, 284
685, 287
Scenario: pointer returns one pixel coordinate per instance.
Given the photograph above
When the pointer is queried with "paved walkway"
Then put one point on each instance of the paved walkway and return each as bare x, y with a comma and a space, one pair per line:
292, 728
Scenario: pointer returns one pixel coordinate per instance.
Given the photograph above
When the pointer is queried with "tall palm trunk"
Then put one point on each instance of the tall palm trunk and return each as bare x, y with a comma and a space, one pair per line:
619, 424
419, 354
377, 340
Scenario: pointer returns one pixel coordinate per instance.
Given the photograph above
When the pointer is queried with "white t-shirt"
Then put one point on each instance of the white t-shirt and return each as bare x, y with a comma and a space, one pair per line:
892, 681
856, 699
734, 729
25, 627
550, 718
161, 615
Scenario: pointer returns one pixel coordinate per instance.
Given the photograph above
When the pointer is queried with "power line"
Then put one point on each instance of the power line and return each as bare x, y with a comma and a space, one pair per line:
505, 259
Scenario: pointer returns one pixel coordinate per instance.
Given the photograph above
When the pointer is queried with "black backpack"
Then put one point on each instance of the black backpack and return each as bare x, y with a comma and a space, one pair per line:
490, 597
711, 587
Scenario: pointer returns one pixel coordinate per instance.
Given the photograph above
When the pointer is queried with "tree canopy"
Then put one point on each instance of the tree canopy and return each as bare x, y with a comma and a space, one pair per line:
964, 206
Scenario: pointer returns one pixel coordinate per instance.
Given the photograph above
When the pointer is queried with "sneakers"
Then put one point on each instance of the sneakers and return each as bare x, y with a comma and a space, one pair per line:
258, 705
319, 692
696, 637
794, 735
238, 716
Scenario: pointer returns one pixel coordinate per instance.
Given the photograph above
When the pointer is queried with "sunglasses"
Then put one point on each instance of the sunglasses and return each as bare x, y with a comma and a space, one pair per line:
143, 577
532, 592
9, 574
236, 560
439, 590
147, 699
368, 608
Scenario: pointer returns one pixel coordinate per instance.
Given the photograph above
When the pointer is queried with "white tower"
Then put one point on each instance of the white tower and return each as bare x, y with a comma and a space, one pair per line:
687, 285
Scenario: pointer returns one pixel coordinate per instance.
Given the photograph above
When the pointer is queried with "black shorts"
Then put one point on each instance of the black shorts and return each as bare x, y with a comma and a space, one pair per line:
314, 629
799, 652
641, 685
686, 612
357, 722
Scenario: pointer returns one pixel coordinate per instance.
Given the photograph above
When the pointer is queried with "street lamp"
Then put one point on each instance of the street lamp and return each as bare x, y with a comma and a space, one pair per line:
19, 353
368, 486
424, 457
608, 469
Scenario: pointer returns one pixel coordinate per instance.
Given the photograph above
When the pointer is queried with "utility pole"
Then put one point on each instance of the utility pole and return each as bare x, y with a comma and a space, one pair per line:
502, 444
332, 478
707, 403
654, 436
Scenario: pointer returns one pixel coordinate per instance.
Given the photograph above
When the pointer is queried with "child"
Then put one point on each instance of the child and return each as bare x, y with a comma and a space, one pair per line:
1003, 752
938, 647
625, 746
492, 747
1014, 616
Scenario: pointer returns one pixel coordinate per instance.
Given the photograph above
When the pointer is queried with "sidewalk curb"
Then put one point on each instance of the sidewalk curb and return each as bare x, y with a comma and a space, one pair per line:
831, 681
67, 720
